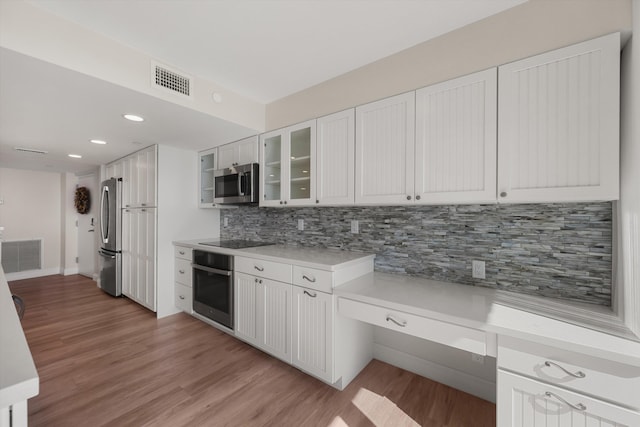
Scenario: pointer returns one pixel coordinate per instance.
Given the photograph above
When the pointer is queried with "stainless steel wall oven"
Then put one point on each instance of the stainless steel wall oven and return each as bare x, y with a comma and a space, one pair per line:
213, 286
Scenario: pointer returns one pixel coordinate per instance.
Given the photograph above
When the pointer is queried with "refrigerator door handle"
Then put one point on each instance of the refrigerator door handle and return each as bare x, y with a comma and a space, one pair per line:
104, 215
106, 255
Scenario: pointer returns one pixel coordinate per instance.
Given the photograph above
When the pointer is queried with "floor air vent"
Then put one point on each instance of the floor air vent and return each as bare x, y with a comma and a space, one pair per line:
168, 79
21, 255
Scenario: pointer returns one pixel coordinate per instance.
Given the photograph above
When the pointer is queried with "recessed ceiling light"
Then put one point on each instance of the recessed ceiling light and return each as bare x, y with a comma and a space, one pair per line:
75, 156
98, 141
133, 117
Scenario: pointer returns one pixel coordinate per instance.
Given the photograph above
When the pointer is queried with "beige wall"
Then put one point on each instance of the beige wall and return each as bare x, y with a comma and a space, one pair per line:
534, 27
32, 210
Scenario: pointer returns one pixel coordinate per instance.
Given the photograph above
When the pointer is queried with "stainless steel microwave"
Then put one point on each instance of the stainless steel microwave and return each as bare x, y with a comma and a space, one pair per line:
237, 184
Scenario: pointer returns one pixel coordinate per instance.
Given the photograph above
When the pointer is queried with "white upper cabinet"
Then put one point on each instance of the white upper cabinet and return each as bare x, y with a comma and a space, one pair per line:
139, 178
335, 159
238, 153
558, 124
205, 185
288, 165
455, 154
385, 137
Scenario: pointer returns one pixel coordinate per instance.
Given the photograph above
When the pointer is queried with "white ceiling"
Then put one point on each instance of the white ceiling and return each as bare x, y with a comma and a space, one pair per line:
262, 49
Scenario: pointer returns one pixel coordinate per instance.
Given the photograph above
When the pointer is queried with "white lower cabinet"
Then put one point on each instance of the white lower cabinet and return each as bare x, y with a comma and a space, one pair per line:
281, 309
139, 255
524, 402
312, 328
540, 385
274, 318
263, 314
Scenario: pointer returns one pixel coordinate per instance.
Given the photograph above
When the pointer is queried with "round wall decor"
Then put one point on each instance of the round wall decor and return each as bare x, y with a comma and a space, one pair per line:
82, 200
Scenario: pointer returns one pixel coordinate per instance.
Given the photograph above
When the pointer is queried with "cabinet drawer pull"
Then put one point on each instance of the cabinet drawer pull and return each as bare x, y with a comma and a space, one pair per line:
181, 271
257, 267
310, 294
312, 279
181, 296
577, 407
401, 323
578, 374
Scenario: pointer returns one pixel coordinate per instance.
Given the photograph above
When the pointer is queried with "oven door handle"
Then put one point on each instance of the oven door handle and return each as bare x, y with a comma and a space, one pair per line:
211, 270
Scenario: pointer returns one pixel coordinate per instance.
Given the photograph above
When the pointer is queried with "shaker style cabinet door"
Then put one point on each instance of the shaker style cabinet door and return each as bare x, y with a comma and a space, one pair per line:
456, 140
385, 136
238, 153
558, 124
335, 159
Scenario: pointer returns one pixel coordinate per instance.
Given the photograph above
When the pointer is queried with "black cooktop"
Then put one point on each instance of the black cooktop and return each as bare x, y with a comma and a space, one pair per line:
236, 244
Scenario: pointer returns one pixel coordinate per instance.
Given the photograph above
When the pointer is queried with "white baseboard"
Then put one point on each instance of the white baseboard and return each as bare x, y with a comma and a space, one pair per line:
443, 374
70, 271
30, 274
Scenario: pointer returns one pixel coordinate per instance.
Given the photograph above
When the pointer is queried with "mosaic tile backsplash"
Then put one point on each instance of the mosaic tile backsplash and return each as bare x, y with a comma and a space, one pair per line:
554, 250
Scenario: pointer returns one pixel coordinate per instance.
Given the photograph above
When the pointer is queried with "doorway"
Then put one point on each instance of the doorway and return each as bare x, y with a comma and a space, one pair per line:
88, 228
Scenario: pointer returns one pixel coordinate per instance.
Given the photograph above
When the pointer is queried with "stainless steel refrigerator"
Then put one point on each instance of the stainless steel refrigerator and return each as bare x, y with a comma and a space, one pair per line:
111, 236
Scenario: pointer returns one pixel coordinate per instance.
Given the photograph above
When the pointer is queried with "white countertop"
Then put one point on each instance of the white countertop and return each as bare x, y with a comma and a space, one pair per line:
18, 376
477, 308
319, 258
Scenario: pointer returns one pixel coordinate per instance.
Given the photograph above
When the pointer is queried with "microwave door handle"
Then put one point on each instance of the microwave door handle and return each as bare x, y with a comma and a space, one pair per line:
241, 184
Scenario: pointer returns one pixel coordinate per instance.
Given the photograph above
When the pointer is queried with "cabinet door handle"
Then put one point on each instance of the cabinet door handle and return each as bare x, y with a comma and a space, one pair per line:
578, 374
417, 197
312, 279
181, 296
181, 271
401, 323
310, 294
577, 407
408, 197
257, 267
503, 194
181, 252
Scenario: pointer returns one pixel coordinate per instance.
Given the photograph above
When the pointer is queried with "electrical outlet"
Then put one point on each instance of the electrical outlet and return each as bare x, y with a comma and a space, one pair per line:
354, 226
225, 221
477, 358
477, 269
301, 224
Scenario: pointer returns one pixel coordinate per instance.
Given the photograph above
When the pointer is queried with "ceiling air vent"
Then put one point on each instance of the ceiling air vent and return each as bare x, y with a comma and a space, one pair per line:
168, 79
30, 150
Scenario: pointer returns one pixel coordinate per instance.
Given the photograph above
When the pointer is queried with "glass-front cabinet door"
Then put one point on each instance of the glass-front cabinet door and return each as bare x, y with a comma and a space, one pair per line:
302, 149
288, 165
272, 170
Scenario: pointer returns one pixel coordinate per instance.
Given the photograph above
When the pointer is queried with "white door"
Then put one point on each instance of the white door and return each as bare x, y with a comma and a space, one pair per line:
247, 150
385, 135
274, 318
312, 332
335, 158
87, 228
558, 124
245, 307
523, 402
456, 140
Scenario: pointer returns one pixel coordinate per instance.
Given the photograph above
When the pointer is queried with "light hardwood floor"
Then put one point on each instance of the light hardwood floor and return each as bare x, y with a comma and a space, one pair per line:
108, 361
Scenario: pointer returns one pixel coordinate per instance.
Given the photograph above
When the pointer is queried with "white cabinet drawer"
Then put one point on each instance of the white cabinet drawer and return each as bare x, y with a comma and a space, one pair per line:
183, 272
598, 377
267, 269
320, 280
524, 402
461, 337
182, 252
183, 297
